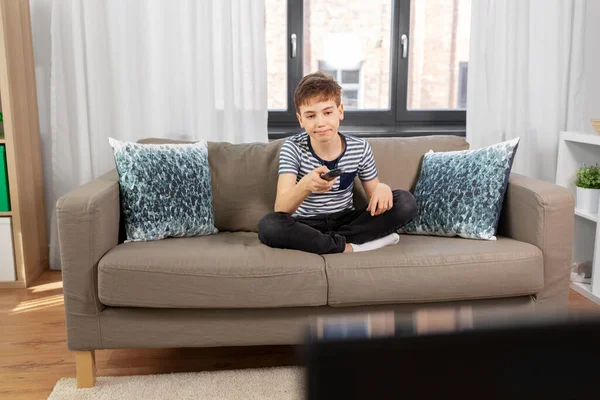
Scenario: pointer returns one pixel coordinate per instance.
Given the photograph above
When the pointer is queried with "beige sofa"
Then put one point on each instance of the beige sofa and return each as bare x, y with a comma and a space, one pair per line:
229, 289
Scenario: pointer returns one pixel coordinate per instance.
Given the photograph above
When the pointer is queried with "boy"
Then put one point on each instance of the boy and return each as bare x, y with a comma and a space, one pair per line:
316, 215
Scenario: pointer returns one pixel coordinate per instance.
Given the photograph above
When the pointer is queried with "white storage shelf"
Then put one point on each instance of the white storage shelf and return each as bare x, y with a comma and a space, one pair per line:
586, 215
7, 260
574, 150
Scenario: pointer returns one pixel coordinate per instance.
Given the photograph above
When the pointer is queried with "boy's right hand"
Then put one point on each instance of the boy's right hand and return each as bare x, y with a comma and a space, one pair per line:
314, 183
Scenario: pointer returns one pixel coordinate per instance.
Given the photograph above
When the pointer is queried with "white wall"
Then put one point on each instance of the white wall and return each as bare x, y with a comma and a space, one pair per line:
592, 64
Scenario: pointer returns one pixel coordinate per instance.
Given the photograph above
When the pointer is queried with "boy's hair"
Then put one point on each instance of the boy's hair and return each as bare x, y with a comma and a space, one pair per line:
319, 85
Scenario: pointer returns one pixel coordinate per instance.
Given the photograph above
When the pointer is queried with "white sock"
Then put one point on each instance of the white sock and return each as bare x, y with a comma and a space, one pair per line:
390, 239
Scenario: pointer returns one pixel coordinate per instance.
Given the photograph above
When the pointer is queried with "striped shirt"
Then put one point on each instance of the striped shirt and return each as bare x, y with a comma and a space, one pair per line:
298, 157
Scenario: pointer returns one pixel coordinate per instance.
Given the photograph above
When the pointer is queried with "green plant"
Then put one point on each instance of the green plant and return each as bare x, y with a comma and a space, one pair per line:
588, 177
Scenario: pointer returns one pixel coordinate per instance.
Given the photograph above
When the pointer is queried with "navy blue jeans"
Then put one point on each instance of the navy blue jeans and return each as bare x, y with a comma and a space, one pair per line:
329, 233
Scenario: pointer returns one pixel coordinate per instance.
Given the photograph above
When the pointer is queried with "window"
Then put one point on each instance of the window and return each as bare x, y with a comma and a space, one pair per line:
398, 62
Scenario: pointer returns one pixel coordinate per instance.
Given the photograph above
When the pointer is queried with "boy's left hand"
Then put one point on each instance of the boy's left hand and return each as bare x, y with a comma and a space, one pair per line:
381, 200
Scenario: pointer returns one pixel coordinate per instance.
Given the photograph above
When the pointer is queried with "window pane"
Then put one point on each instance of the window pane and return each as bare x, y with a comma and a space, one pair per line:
438, 54
276, 34
350, 99
351, 94
323, 68
351, 39
350, 76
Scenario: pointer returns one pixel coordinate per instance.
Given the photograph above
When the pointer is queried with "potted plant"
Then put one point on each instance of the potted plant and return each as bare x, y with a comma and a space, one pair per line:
588, 188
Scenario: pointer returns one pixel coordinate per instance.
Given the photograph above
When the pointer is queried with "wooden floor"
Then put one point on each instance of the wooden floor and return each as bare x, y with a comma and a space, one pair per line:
34, 356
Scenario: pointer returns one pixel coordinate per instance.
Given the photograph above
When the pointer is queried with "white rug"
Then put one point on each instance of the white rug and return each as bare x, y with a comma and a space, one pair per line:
281, 383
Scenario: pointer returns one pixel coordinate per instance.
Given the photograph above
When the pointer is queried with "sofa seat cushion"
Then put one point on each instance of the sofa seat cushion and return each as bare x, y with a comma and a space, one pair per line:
428, 269
226, 270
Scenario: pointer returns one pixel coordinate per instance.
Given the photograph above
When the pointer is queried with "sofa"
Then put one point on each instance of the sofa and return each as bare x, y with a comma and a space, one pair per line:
229, 289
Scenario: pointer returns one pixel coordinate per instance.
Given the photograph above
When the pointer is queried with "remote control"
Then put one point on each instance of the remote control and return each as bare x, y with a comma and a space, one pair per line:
334, 173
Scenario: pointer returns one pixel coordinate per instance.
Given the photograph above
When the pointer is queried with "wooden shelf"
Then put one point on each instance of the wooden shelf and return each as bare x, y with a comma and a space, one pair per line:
23, 155
587, 215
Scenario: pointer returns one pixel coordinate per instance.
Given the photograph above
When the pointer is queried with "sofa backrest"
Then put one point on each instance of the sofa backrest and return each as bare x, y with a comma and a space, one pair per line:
244, 176
244, 181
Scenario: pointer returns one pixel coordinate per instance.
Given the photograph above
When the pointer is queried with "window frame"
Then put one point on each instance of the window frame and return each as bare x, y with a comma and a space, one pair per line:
398, 114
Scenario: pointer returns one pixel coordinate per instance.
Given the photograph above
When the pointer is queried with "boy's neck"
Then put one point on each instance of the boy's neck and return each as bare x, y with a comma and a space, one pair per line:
330, 150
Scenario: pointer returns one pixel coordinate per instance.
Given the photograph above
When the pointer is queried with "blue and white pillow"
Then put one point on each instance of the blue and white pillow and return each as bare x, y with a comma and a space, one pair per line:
460, 193
166, 189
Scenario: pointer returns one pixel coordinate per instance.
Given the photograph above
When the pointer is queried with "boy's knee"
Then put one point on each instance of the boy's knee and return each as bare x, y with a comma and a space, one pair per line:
265, 226
405, 206
270, 226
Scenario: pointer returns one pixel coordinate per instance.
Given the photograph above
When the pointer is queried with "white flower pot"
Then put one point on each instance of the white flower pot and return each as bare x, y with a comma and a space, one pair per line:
587, 200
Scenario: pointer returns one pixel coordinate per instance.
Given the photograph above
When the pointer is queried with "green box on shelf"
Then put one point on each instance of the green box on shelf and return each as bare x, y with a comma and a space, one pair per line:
4, 196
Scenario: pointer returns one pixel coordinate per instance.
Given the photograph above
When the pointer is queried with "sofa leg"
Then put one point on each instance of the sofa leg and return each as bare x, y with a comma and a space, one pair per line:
85, 363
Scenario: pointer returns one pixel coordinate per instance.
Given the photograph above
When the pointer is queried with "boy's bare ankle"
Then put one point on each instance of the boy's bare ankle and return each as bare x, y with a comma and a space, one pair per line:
348, 248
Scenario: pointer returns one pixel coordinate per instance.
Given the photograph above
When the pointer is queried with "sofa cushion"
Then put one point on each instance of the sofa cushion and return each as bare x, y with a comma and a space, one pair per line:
166, 189
226, 270
460, 193
428, 269
244, 183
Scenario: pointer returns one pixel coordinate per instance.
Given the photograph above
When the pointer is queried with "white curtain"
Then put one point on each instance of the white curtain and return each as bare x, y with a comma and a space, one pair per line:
181, 69
526, 77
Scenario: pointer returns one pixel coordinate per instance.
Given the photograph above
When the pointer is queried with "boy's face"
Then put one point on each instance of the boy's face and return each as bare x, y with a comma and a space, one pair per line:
321, 119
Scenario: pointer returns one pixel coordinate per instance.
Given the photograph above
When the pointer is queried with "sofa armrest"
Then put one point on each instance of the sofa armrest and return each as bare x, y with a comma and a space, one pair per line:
541, 213
88, 226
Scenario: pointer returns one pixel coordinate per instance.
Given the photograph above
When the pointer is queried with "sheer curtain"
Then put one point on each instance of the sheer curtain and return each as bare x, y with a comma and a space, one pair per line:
526, 77
180, 69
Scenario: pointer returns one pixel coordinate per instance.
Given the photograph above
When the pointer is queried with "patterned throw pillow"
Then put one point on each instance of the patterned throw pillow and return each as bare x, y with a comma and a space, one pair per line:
165, 189
460, 193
